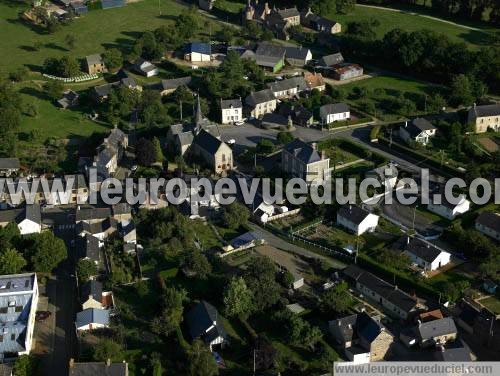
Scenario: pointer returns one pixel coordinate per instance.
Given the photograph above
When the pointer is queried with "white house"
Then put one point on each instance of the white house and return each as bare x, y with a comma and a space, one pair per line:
448, 210
422, 253
18, 303
418, 130
489, 224
260, 103
204, 322
31, 221
289, 87
356, 219
330, 113
198, 52
231, 111
386, 175
145, 67
92, 318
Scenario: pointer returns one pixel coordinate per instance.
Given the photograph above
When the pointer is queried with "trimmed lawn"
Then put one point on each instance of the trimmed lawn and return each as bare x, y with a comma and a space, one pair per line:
492, 303
409, 22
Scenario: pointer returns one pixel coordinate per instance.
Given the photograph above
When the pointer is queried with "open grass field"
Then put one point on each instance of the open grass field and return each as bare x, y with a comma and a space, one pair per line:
492, 303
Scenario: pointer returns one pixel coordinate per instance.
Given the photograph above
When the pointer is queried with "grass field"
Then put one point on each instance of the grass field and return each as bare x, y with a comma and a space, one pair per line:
492, 303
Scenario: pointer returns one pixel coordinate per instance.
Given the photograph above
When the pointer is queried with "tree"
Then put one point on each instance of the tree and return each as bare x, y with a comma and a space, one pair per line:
187, 23
337, 299
201, 362
171, 315
107, 349
31, 109
25, 365
158, 150
9, 235
454, 291
145, 152
461, 91
260, 279
235, 215
46, 252
54, 89
69, 66
11, 261
195, 262
238, 298
85, 269
265, 146
70, 41
285, 137
113, 58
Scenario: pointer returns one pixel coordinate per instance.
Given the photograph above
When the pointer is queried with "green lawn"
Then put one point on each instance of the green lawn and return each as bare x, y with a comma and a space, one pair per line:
492, 303
409, 22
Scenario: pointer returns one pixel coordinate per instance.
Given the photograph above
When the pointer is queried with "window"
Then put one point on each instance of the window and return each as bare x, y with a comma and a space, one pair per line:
12, 303
19, 308
12, 337
4, 309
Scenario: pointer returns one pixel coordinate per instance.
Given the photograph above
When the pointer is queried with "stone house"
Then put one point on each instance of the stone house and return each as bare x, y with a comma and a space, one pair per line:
95, 64
302, 160
484, 117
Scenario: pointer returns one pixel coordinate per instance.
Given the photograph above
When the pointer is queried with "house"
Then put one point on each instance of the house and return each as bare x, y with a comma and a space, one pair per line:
145, 68
110, 152
98, 368
331, 60
169, 86
288, 88
89, 248
315, 81
422, 253
198, 52
276, 20
206, 5
290, 15
456, 351
298, 113
95, 64
418, 130
204, 322
79, 7
436, 332
276, 121
6, 369
484, 117
362, 338
92, 296
297, 56
270, 56
394, 301
100, 230
92, 318
330, 113
244, 241
31, 220
231, 111
101, 92
386, 175
256, 11
435, 314
347, 71
357, 219
489, 224
9, 166
69, 99
448, 210
318, 23
260, 103
304, 161
92, 214
18, 304
217, 155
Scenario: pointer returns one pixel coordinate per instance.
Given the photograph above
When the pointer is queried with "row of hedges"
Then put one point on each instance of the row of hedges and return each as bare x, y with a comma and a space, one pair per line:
357, 149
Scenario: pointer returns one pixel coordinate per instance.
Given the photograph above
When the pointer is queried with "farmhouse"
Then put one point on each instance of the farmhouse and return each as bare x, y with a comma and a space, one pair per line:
363, 338
330, 113
297, 56
418, 130
422, 253
485, 117
357, 219
145, 68
302, 160
95, 64
489, 224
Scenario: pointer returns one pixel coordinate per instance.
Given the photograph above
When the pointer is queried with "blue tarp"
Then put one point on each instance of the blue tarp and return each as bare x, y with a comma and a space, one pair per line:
107, 4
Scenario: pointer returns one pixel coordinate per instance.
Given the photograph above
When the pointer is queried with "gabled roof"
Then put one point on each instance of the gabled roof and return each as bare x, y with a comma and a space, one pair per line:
288, 12
92, 316
302, 151
358, 326
334, 108
91, 288
91, 213
261, 96
457, 351
297, 52
207, 142
33, 213
417, 126
201, 318
244, 239
106, 89
270, 50
174, 83
9, 163
435, 328
353, 213
201, 48
486, 110
230, 103
89, 246
98, 369
274, 119
288, 84
330, 60
417, 247
94, 59
490, 220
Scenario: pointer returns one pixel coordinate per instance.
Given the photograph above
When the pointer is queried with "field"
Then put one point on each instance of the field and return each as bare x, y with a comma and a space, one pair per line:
492, 303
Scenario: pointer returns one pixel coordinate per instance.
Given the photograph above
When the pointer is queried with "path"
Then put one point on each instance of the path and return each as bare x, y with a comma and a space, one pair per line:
423, 15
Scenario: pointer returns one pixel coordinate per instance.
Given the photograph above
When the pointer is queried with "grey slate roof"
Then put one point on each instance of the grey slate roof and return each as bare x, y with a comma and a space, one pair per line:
207, 142
244, 239
99, 369
200, 318
5, 369
89, 246
91, 288
271, 50
261, 96
91, 213
302, 151
490, 220
417, 247
274, 120
33, 213
104, 90
334, 108
174, 83
288, 84
353, 213
9, 163
330, 60
92, 316
358, 326
417, 126
457, 351
93, 59
230, 103
288, 12
298, 53
487, 110
435, 328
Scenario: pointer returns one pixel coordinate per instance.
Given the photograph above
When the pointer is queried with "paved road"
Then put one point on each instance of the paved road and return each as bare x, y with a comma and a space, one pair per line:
279, 243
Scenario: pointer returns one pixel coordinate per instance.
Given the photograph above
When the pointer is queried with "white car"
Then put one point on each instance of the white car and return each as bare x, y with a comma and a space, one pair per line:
231, 141
239, 122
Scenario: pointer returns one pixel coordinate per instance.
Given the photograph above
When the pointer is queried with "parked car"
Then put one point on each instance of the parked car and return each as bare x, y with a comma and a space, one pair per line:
42, 315
239, 123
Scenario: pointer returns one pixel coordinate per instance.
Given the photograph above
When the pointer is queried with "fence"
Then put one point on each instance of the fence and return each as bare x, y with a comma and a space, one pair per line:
282, 215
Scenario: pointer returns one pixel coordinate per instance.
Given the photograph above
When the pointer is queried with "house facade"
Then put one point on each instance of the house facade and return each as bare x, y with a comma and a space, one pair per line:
231, 111
330, 113
422, 253
418, 130
302, 160
95, 64
488, 223
260, 102
485, 117
198, 52
448, 210
288, 88
357, 219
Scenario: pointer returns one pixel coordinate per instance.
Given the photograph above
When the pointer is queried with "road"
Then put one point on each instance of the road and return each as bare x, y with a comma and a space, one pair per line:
279, 243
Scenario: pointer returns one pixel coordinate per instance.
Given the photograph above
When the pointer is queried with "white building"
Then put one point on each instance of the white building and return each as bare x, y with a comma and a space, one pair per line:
448, 210
418, 130
18, 303
387, 175
422, 253
231, 111
260, 103
289, 87
145, 68
31, 221
92, 318
198, 52
489, 224
356, 219
330, 113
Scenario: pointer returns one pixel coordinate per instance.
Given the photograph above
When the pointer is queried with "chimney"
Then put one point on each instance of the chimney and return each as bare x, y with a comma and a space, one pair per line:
395, 287
323, 154
441, 348
406, 124
71, 363
108, 362
314, 145
419, 323
407, 240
